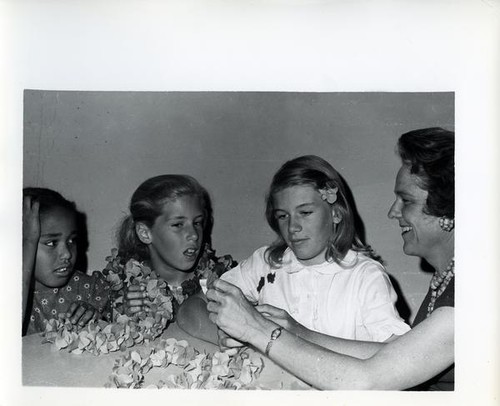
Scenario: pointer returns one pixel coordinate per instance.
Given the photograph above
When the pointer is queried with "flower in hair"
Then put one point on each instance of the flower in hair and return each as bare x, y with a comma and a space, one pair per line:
329, 194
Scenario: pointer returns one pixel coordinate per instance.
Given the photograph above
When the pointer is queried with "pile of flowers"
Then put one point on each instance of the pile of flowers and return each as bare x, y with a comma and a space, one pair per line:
232, 369
143, 327
95, 338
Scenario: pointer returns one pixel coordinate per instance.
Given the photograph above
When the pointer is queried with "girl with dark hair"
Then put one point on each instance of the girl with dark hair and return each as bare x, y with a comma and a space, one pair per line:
424, 355
51, 286
318, 270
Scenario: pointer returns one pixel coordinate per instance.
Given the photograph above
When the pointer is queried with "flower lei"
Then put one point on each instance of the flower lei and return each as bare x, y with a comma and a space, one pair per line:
145, 326
232, 369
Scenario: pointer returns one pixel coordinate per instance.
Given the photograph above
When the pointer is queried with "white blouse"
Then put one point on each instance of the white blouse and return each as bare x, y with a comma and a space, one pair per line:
354, 300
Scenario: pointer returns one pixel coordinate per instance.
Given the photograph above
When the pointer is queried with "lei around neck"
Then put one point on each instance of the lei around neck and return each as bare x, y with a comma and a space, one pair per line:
145, 326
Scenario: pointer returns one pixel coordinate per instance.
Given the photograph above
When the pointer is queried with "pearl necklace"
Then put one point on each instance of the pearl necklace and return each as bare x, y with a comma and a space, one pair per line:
439, 284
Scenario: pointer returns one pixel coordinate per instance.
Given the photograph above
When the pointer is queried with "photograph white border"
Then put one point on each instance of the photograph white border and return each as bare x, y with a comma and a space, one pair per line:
270, 46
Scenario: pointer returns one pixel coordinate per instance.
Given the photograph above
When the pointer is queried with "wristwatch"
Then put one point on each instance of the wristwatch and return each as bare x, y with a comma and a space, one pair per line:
274, 336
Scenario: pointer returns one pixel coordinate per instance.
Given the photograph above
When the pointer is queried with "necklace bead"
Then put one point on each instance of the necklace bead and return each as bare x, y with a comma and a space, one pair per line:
439, 283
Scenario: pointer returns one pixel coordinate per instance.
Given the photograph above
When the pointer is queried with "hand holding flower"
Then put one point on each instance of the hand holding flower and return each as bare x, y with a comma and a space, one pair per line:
81, 313
135, 299
234, 314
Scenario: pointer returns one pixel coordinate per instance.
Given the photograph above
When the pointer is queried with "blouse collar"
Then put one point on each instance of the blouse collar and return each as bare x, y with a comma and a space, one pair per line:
292, 265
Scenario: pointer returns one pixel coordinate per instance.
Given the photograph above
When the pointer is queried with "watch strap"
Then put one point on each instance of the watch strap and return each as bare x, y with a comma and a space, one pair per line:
274, 336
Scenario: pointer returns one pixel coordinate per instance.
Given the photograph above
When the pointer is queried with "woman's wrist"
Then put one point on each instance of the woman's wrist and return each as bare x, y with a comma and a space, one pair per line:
260, 334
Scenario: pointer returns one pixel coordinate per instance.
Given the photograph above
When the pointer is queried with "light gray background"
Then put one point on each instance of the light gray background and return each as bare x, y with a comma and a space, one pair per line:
97, 147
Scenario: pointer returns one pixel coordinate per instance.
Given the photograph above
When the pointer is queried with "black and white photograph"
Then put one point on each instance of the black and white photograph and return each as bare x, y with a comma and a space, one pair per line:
250, 202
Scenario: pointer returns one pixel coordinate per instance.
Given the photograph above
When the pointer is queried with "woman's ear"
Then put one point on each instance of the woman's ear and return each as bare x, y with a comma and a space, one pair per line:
143, 233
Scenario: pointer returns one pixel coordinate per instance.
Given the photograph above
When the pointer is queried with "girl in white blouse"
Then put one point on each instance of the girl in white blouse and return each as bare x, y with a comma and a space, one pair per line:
318, 270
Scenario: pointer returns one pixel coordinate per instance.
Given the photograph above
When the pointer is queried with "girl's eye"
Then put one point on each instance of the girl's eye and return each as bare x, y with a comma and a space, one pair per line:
280, 216
198, 223
177, 225
305, 213
50, 243
72, 241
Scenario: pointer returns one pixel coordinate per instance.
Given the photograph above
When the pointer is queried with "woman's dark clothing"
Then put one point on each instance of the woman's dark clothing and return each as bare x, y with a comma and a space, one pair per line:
445, 381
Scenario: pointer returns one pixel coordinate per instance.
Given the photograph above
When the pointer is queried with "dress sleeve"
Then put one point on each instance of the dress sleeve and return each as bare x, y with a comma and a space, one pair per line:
101, 297
247, 274
379, 316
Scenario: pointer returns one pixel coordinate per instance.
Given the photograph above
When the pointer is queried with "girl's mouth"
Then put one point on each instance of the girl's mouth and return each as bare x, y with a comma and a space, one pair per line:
191, 253
63, 271
298, 242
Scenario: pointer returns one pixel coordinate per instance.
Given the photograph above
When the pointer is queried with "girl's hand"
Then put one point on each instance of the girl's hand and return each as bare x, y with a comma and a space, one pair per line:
281, 317
31, 220
232, 312
226, 342
81, 313
135, 299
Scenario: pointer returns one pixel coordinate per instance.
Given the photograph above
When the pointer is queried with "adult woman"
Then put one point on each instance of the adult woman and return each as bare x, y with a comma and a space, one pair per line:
424, 208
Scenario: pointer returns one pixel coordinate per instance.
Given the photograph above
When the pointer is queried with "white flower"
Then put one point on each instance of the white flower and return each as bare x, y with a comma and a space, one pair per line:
86, 286
68, 288
45, 302
61, 300
37, 310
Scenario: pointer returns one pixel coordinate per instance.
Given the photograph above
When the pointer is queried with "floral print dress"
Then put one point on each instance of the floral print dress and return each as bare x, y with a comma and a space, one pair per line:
49, 302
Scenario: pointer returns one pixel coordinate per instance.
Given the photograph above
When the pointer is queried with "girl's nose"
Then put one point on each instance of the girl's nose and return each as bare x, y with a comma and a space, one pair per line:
193, 234
294, 226
65, 252
394, 211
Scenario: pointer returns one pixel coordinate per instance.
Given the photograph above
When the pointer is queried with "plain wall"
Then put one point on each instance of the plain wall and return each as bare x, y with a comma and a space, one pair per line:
97, 147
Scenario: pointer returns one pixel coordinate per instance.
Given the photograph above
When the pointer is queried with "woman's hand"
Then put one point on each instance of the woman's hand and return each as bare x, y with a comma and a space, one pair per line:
80, 313
135, 299
281, 317
233, 313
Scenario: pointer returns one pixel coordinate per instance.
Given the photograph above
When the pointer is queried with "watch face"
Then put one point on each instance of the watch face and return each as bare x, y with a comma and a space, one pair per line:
275, 334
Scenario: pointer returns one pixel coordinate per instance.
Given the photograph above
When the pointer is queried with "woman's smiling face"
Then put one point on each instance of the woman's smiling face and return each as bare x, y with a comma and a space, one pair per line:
305, 222
421, 233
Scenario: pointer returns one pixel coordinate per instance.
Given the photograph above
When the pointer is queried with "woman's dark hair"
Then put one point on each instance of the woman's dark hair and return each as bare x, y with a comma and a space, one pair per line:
146, 205
49, 199
430, 154
314, 171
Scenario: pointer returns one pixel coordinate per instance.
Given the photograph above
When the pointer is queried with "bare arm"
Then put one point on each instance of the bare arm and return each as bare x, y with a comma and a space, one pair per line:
192, 317
31, 235
405, 362
358, 349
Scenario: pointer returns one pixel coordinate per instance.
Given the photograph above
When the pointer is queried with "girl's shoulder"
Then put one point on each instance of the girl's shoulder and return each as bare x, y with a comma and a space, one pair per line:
96, 278
360, 263
257, 259
258, 254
